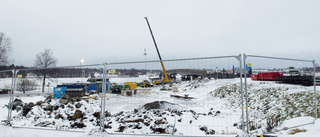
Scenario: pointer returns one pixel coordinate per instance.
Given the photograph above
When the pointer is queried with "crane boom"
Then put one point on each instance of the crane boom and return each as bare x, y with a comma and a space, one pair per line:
166, 79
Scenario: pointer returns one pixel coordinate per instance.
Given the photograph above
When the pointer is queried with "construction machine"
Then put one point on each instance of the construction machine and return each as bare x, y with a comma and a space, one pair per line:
145, 84
165, 79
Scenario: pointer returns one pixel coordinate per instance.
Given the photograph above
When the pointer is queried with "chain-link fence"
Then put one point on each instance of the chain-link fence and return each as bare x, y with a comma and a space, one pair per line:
197, 96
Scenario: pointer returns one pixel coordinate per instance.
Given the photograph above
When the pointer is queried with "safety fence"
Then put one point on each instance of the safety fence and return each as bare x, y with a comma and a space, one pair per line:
280, 89
199, 96
187, 106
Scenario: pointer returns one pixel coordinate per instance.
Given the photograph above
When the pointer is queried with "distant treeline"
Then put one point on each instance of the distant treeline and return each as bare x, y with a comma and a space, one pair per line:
67, 72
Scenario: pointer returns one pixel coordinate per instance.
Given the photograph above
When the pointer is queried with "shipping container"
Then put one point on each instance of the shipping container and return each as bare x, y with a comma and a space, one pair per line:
254, 77
267, 76
73, 89
58, 92
132, 85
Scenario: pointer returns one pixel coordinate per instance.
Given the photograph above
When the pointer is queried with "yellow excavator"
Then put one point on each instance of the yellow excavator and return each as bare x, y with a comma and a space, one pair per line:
165, 79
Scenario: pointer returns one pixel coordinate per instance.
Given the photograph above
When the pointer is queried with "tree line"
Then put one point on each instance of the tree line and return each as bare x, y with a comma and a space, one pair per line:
43, 59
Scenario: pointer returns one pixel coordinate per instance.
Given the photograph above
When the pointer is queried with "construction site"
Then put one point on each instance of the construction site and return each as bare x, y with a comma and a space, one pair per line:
208, 96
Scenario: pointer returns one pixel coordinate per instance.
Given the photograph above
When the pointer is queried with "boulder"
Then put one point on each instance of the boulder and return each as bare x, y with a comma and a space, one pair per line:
135, 110
26, 110
73, 100
64, 101
211, 132
121, 128
30, 104
65, 96
15, 103
48, 108
157, 105
48, 99
17, 100
70, 106
207, 131
161, 121
78, 99
77, 115
204, 128
78, 125
18, 108
78, 105
96, 114
55, 107
180, 119
58, 116
107, 126
158, 130
39, 103
217, 113
107, 114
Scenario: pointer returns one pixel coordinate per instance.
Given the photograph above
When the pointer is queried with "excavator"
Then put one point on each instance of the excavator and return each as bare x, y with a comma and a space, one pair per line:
165, 79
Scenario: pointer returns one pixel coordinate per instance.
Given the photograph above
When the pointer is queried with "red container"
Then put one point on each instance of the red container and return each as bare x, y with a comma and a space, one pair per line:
254, 77
269, 76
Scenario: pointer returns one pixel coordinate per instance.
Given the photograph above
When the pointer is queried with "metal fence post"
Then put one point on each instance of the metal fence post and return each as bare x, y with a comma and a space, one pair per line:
14, 77
246, 91
11, 98
315, 92
239, 58
103, 98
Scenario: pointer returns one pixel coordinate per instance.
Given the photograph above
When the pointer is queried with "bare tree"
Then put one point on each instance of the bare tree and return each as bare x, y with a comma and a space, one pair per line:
25, 85
44, 60
5, 49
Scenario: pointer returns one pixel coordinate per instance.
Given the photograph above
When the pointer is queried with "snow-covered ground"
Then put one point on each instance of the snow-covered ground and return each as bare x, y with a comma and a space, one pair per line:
215, 108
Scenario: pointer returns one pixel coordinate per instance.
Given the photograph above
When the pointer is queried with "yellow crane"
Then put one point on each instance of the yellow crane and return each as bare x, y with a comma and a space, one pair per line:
165, 78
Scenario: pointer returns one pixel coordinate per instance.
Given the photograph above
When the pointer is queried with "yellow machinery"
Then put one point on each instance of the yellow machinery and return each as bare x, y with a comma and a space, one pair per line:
145, 84
165, 79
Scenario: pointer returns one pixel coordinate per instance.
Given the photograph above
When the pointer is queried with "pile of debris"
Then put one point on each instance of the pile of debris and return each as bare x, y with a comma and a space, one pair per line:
158, 117
64, 113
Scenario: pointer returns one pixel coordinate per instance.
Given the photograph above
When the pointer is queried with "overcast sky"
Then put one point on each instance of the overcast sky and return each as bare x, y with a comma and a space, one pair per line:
115, 30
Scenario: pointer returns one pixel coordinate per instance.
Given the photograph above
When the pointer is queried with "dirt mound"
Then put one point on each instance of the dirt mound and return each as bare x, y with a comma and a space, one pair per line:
159, 105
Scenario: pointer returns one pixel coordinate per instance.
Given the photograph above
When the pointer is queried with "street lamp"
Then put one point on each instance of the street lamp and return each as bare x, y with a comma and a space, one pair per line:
81, 62
300, 65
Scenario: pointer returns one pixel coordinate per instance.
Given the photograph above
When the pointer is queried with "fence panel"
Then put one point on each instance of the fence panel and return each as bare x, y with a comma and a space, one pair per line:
6, 81
127, 97
279, 89
203, 97
6, 89
196, 104
38, 103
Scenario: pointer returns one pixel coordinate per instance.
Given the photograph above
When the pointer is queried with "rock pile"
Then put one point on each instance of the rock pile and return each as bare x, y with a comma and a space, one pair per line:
158, 117
64, 109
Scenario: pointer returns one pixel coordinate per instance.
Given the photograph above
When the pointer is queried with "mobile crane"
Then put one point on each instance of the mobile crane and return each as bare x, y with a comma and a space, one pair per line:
165, 79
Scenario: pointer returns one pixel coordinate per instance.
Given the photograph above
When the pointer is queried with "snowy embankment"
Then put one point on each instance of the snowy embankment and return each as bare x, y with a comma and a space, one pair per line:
215, 109
271, 104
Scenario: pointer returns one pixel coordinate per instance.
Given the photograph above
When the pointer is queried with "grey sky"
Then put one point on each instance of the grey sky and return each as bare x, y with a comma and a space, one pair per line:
115, 30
